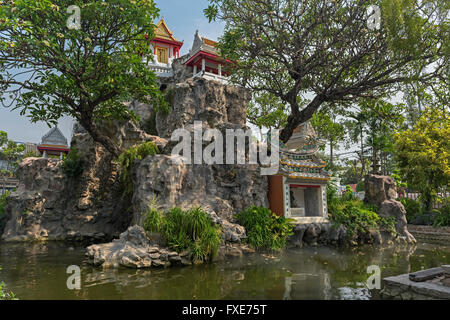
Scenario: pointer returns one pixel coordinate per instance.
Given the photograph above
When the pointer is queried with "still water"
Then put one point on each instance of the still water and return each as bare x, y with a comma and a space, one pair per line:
38, 271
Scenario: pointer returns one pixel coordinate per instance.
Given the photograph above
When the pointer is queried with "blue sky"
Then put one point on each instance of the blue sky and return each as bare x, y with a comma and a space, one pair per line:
183, 17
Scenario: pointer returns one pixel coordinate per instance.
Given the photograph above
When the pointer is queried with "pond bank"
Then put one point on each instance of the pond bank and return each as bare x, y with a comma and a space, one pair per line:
430, 234
38, 271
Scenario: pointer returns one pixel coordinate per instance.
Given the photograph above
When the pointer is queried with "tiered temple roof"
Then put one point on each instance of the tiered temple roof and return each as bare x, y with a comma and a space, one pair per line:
298, 158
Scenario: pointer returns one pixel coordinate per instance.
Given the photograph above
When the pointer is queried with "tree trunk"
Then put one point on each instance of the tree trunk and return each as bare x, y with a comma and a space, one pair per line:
298, 117
101, 138
331, 154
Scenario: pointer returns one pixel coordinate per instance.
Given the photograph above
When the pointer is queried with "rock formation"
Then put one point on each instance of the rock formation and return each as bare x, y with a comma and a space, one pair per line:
49, 205
381, 191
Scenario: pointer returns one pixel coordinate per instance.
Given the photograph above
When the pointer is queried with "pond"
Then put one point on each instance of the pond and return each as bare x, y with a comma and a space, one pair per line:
38, 271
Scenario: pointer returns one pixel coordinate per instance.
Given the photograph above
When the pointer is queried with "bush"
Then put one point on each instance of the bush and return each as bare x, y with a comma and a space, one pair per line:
357, 217
265, 230
412, 207
3, 198
72, 164
443, 218
191, 230
127, 159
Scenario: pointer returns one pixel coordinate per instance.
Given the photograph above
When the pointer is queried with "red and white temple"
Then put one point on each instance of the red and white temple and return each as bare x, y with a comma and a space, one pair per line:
53, 143
166, 48
205, 59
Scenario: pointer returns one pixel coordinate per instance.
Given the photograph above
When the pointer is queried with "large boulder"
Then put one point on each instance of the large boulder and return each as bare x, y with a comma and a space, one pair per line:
222, 189
382, 192
133, 250
198, 99
379, 188
48, 205
394, 208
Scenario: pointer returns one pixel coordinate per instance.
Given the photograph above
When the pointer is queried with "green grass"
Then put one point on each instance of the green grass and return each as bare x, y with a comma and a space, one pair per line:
264, 229
191, 230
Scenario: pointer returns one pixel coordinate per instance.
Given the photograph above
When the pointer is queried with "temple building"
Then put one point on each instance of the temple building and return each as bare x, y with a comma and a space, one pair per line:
53, 143
166, 48
299, 190
205, 60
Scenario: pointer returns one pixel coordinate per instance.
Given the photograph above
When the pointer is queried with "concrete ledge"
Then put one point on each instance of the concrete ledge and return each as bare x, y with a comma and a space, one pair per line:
400, 287
307, 220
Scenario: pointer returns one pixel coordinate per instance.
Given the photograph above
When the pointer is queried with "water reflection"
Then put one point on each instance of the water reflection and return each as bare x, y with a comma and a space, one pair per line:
38, 271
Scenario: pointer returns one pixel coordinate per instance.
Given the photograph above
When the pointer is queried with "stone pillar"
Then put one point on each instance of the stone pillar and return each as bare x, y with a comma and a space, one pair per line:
195, 70
203, 65
44, 154
220, 70
61, 156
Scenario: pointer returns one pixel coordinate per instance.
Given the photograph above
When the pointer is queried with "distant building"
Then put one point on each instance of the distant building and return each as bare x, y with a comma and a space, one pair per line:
53, 143
165, 49
30, 148
203, 61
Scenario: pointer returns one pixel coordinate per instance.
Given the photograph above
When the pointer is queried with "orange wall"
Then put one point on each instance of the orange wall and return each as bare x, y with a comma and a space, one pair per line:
275, 195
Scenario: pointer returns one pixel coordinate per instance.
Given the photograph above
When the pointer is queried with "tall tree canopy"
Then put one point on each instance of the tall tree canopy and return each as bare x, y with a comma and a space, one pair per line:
331, 50
48, 70
423, 155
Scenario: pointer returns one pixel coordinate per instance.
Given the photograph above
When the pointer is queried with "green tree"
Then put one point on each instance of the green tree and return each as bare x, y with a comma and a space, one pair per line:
48, 70
326, 50
328, 129
371, 124
10, 153
423, 155
267, 111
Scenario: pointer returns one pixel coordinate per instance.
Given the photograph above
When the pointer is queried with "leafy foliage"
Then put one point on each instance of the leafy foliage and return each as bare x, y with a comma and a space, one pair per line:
323, 49
423, 155
127, 159
85, 73
3, 198
267, 111
357, 217
191, 230
265, 230
72, 164
443, 218
327, 128
412, 207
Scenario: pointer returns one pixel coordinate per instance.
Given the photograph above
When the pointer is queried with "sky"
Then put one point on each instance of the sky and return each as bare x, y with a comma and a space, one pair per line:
182, 17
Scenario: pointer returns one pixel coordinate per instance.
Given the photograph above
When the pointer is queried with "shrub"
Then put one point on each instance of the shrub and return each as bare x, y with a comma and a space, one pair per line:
443, 218
348, 194
265, 230
412, 207
127, 159
72, 164
3, 198
191, 230
358, 218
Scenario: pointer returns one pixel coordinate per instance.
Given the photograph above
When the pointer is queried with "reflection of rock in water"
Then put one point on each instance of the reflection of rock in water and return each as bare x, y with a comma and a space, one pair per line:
347, 293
